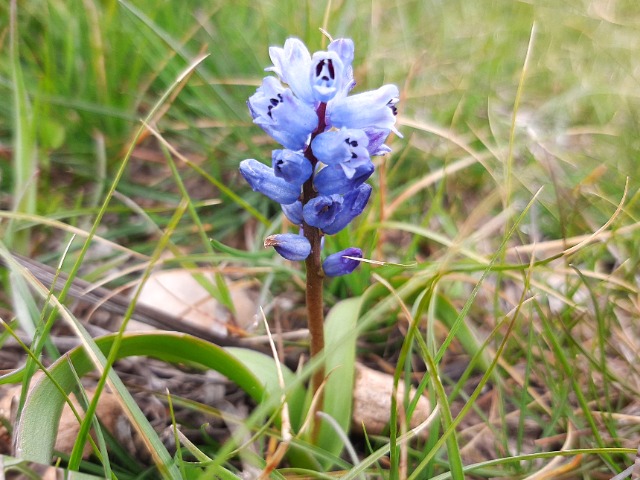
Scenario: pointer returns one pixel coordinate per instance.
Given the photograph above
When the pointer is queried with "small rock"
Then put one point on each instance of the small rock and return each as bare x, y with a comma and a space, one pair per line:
372, 402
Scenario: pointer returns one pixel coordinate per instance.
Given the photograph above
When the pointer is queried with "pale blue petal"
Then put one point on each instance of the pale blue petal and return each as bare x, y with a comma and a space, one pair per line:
293, 65
262, 179
288, 120
291, 165
331, 180
326, 75
375, 109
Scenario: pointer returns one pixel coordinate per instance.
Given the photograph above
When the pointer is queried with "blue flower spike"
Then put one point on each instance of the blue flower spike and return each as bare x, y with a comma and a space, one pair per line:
328, 139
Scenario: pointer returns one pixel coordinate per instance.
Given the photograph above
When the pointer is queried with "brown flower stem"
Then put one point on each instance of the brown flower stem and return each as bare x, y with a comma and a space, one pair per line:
315, 277
315, 309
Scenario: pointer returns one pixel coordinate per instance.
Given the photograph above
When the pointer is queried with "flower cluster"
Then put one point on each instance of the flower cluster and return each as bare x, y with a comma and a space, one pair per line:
328, 139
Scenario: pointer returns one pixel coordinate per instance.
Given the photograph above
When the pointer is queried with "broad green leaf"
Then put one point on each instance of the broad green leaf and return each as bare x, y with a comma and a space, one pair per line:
340, 346
264, 368
36, 432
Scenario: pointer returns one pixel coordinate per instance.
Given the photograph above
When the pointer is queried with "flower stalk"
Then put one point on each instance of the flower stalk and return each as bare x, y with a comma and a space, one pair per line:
315, 276
319, 177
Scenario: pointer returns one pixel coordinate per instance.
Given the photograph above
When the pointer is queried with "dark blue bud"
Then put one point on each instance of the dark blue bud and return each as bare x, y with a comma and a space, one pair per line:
289, 245
338, 264
262, 179
331, 213
352, 205
321, 211
292, 166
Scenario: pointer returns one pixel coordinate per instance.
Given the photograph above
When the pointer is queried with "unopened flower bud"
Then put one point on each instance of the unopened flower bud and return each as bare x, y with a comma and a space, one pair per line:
338, 264
289, 245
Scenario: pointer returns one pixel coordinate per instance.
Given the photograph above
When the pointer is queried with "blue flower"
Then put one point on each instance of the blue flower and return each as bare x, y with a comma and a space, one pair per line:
262, 179
344, 147
331, 213
292, 166
338, 264
320, 212
333, 179
289, 245
319, 176
376, 109
326, 75
292, 64
353, 204
284, 117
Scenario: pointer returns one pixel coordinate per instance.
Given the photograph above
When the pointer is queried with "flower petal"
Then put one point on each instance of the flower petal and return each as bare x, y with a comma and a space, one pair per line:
293, 212
287, 119
321, 211
326, 75
370, 109
345, 49
262, 179
331, 213
376, 137
353, 204
293, 64
292, 166
333, 179
346, 147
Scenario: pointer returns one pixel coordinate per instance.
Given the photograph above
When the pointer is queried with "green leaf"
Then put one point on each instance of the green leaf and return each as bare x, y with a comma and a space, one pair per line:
264, 368
340, 346
37, 429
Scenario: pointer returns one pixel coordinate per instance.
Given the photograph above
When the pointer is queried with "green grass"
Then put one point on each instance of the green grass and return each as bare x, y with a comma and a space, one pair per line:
501, 299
